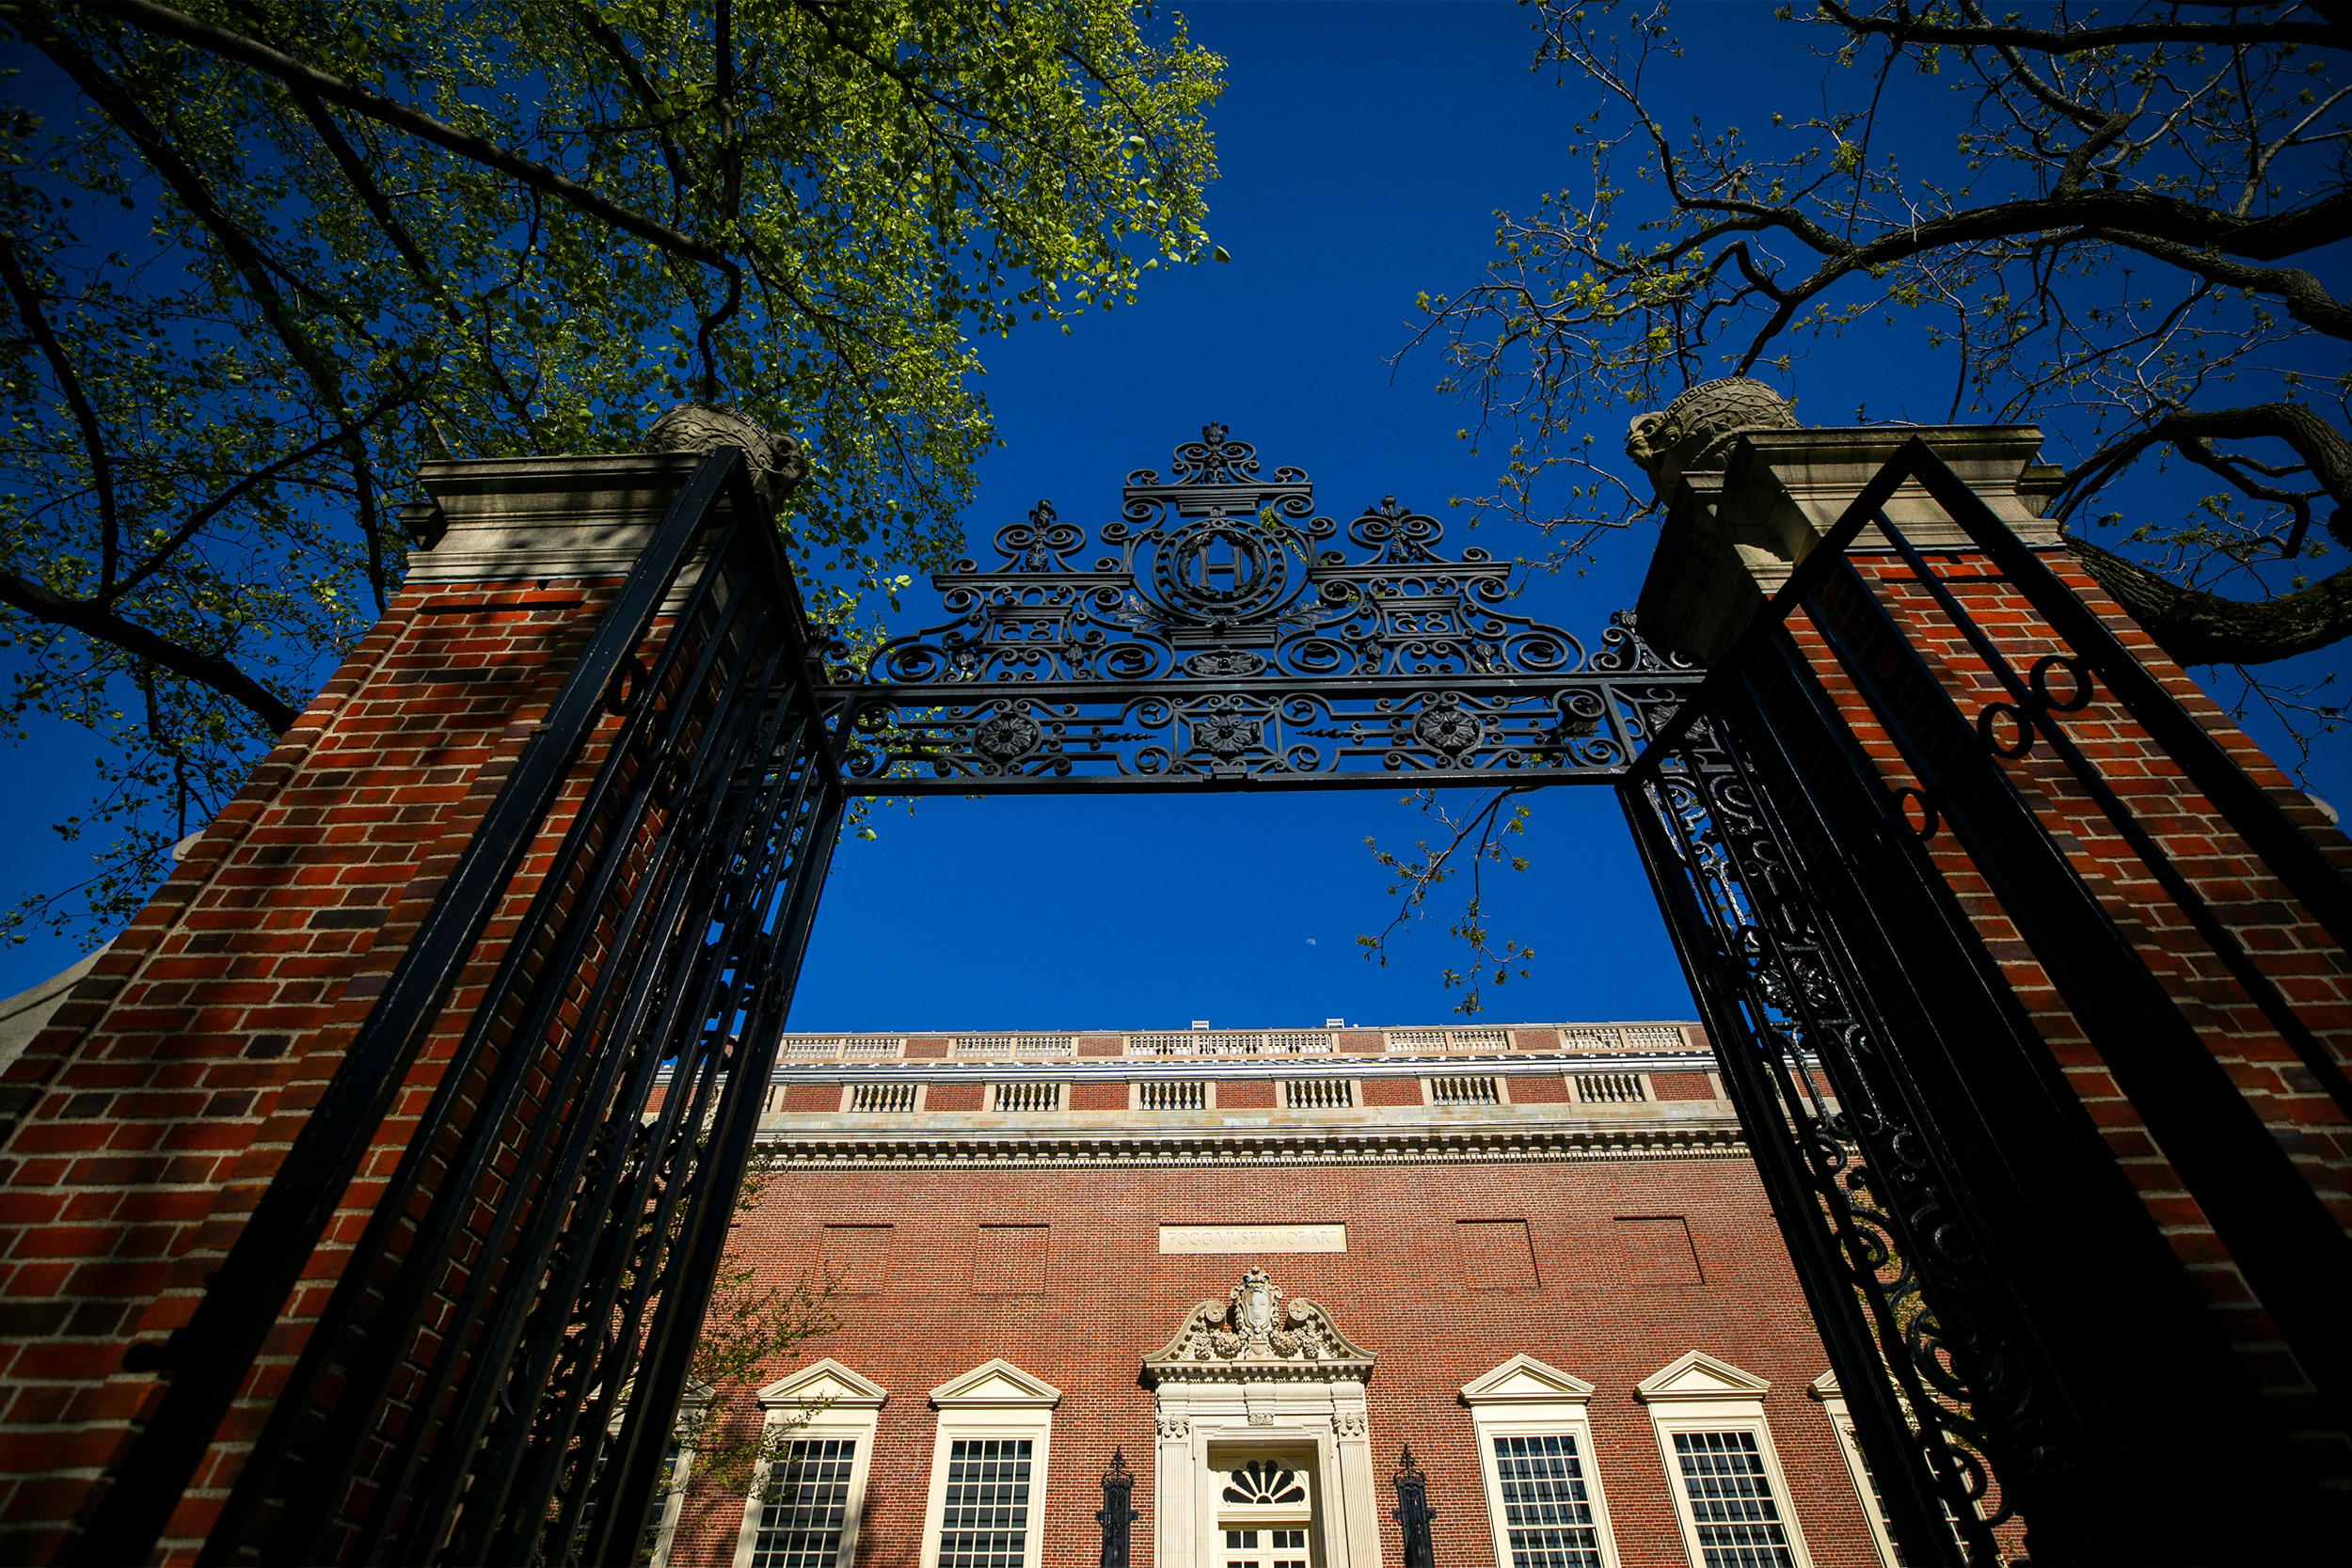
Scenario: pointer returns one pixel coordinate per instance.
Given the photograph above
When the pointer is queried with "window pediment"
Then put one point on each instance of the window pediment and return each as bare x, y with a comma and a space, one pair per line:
1700, 1376
827, 1381
997, 1385
1524, 1380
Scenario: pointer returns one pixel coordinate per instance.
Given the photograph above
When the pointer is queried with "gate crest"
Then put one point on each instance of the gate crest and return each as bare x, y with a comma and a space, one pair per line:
1226, 635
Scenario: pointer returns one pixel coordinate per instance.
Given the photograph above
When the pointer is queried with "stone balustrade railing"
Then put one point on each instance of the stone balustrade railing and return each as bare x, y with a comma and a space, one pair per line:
1490, 1040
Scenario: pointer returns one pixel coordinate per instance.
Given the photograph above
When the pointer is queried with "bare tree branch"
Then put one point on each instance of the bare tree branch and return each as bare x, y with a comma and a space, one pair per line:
2197, 628
2086, 40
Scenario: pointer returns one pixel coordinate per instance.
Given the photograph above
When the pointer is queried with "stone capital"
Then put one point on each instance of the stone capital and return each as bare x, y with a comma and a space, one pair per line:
508, 519
1732, 535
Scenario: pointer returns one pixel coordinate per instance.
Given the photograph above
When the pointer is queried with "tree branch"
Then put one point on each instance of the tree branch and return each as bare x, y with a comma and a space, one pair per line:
1909, 30
70, 385
105, 626
2197, 628
2306, 300
334, 90
212, 507
379, 206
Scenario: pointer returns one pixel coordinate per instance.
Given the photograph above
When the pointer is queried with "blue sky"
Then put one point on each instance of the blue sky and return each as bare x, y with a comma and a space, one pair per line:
1364, 150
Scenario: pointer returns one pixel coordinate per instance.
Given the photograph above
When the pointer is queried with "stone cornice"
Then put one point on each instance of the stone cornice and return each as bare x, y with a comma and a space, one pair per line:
1711, 1139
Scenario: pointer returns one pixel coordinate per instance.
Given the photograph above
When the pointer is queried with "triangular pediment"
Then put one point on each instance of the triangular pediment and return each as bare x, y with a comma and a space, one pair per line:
828, 1383
1524, 1380
1826, 1386
1700, 1376
997, 1385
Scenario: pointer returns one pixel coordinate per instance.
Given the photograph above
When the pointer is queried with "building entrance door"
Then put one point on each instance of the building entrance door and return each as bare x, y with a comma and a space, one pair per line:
1265, 1512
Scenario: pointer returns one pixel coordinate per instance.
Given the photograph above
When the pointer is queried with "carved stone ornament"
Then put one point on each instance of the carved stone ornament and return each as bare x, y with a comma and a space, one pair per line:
1255, 1334
1694, 432
778, 464
1173, 1427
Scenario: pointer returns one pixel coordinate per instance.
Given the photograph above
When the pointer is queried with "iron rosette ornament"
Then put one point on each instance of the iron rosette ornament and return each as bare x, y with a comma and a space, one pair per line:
1224, 634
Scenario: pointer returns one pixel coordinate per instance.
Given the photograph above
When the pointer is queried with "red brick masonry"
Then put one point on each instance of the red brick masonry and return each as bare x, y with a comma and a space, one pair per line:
1607, 1306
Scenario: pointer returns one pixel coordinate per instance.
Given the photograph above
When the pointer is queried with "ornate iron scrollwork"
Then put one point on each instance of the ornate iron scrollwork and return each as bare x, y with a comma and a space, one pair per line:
1226, 635
1866, 1161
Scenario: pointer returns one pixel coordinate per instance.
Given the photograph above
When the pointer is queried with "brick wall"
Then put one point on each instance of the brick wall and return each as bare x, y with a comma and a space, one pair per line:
1628, 1266
161, 1098
2289, 947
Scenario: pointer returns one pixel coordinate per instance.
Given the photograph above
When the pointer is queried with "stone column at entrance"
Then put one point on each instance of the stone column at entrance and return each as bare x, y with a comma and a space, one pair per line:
139, 1125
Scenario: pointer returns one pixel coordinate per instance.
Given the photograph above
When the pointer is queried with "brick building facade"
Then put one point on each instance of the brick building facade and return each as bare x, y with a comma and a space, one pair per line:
1535, 1255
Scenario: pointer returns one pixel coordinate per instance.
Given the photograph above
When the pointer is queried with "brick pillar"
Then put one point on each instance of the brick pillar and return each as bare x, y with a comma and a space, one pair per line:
143, 1121
1749, 501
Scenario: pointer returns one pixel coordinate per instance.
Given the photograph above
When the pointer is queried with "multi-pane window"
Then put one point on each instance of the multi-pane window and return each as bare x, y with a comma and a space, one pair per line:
805, 1504
1731, 1500
1265, 1548
986, 1521
1547, 1511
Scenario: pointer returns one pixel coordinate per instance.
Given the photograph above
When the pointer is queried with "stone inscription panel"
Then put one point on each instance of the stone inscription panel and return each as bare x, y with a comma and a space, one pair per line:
1243, 1239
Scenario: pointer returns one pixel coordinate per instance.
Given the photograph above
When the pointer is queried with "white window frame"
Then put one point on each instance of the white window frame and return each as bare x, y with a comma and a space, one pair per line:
695, 1401
1699, 1393
822, 1400
1833, 1397
1527, 1398
997, 1400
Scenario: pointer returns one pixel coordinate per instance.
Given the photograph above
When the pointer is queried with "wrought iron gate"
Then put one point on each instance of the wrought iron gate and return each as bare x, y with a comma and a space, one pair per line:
1988, 1284
494, 1377
496, 1373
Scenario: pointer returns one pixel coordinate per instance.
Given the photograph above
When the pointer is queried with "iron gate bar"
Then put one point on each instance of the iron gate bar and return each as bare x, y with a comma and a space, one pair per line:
1909, 1457
311, 1500
455, 1464
1755, 636
2171, 724
1942, 1235
679, 1319
2294, 1253
2252, 813
206, 1359
721, 965
495, 1474
681, 1313
2073, 1215
2033, 712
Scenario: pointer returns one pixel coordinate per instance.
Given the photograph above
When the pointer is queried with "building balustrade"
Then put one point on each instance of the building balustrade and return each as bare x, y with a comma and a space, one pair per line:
1464, 1091
1155, 1044
1609, 1088
1026, 1097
